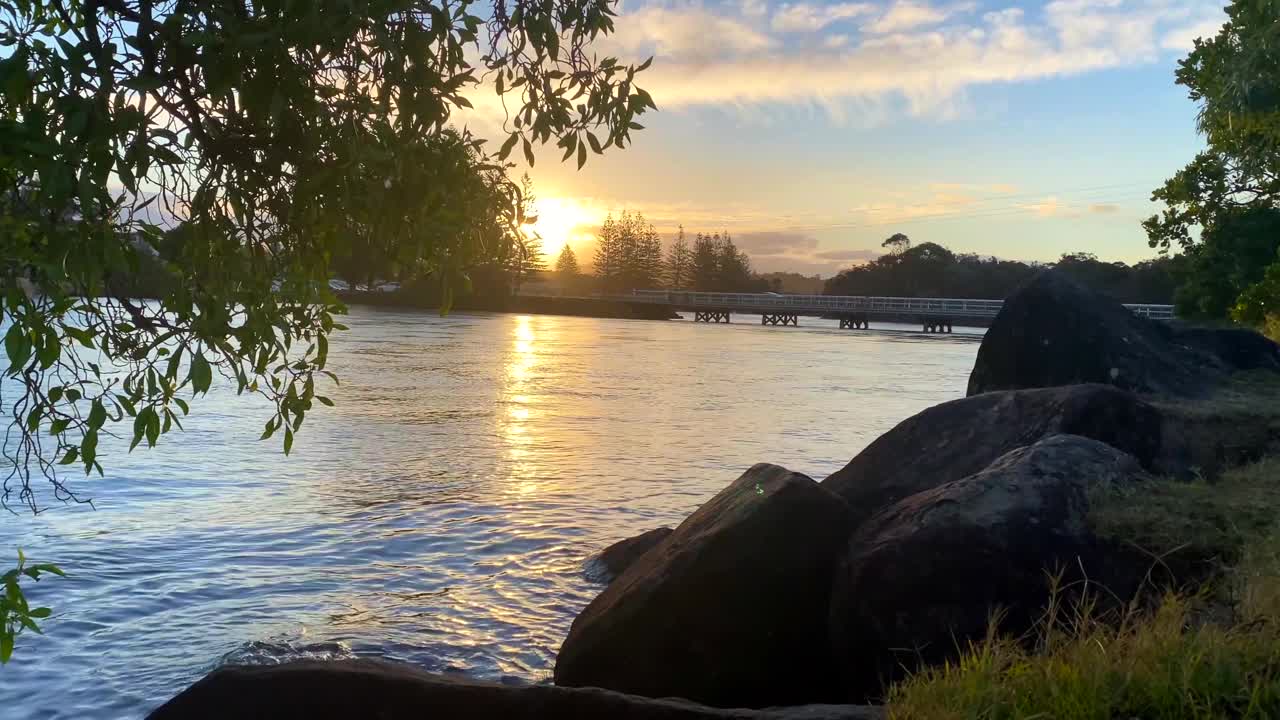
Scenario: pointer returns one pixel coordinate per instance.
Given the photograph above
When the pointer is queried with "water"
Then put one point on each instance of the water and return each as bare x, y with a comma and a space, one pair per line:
441, 514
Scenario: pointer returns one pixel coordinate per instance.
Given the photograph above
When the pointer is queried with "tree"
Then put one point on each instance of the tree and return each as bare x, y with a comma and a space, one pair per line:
609, 260
567, 264
897, 243
1237, 178
527, 258
629, 253
679, 262
931, 270
706, 262
734, 268
282, 135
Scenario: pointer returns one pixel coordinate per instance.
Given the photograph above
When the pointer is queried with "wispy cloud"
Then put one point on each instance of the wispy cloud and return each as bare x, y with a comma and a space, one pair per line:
907, 15
905, 56
809, 17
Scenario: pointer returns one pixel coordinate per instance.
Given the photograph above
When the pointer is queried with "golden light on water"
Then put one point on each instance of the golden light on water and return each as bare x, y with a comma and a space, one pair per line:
516, 425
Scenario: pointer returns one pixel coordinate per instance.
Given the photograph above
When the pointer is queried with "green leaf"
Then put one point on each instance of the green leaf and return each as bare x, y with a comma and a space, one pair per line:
97, 414
288, 440
17, 346
324, 401
201, 373
508, 146
528, 152
70, 457
6, 647
59, 426
40, 613
89, 449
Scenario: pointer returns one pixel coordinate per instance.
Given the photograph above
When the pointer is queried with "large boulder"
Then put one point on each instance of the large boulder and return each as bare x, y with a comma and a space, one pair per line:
388, 691
959, 438
1051, 331
615, 559
923, 577
729, 610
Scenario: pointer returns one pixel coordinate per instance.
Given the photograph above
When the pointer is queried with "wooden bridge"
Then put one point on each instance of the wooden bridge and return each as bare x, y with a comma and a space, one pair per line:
937, 315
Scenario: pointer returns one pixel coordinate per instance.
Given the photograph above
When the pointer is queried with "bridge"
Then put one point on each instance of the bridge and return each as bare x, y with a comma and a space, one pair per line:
935, 315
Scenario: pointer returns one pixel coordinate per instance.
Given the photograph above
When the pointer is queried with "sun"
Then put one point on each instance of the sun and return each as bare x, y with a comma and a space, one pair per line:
560, 221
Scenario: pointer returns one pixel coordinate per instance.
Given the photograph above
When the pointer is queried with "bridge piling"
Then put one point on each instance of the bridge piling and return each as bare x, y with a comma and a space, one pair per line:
711, 316
854, 322
936, 325
779, 319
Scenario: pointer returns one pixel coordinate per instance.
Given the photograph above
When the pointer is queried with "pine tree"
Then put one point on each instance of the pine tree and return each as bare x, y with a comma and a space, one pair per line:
649, 271
679, 262
734, 266
706, 263
608, 255
567, 263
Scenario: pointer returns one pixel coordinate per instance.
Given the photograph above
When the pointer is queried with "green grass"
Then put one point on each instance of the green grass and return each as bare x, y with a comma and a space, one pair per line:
1199, 519
1214, 654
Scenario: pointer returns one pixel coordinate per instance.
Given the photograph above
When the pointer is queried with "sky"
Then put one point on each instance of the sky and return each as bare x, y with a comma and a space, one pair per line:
813, 131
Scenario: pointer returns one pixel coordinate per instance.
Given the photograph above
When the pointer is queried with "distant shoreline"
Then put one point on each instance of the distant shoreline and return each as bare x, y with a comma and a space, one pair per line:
535, 305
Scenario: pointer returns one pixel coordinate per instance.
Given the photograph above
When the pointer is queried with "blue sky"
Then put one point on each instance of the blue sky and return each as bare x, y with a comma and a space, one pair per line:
812, 131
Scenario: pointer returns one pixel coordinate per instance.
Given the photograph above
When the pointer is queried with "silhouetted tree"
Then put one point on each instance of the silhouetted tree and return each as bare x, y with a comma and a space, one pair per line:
706, 263
567, 263
931, 270
629, 255
679, 262
896, 243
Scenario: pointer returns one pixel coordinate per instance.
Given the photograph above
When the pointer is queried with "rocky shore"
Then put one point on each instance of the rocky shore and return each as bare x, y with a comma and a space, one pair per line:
784, 597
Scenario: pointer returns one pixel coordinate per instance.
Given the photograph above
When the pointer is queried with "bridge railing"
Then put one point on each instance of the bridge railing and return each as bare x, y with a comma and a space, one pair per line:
832, 303
954, 307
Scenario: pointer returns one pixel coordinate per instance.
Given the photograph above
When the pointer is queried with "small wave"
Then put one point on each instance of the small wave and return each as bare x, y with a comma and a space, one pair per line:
276, 652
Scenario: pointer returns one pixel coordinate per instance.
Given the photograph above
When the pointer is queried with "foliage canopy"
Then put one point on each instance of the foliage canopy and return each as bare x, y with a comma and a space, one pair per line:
1226, 202
280, 135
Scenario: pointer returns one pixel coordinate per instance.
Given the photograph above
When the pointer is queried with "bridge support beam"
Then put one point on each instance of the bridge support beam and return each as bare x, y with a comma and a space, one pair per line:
779, 319
711, 316
854, 322
936, 325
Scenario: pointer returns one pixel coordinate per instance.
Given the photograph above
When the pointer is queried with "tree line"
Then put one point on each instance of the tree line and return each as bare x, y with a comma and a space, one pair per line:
931, 270
629, 256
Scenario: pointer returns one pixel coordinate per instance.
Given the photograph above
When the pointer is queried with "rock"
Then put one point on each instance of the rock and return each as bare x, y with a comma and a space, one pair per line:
1239, 348
621, 555
923, 576
959, 438
1052, 331
388, 691
729, 610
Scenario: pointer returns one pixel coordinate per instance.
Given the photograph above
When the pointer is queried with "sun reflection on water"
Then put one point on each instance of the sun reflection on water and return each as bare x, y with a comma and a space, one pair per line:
518, 425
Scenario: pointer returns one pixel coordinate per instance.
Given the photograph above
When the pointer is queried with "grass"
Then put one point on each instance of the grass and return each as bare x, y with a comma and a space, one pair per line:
1212, 654
1200, 519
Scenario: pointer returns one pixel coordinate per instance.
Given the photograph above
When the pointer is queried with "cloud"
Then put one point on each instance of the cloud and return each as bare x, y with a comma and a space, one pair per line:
1104, 208
775, 242
692, 34
908, 15
913, 58
1047, 207
806, 17
1183, 39
848, 255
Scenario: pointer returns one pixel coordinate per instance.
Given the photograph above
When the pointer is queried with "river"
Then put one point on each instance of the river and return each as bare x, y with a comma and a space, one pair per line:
442, 512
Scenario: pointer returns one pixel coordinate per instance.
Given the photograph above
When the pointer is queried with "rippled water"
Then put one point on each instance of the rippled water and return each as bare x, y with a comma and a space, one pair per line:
442, 512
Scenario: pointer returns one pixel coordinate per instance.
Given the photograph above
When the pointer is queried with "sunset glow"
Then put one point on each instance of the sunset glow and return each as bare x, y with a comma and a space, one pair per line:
564, 220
